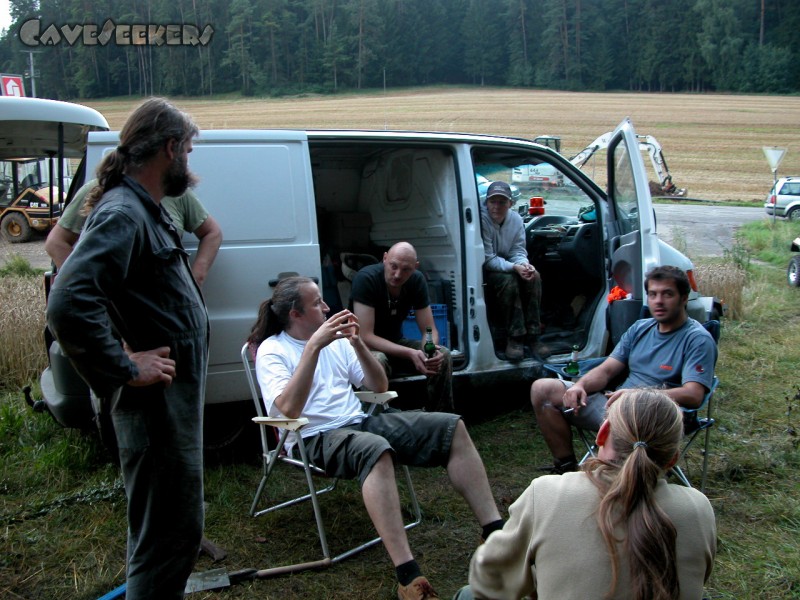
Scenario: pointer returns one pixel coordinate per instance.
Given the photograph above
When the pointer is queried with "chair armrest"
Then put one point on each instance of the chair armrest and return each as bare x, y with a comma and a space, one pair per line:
382, 398
282, 422
585, 365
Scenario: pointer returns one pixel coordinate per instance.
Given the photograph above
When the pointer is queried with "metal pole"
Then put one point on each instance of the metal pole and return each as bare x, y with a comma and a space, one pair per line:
33, 74
51, 183
385, 116
774, 186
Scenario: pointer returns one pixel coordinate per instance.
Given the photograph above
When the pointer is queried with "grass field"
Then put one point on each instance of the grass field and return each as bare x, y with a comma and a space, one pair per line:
62, 510
712, 143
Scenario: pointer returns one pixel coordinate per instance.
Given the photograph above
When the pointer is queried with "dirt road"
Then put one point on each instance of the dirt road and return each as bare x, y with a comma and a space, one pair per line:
701, 230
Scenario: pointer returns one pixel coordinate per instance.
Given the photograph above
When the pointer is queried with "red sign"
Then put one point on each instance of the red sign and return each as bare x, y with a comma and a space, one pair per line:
12, 85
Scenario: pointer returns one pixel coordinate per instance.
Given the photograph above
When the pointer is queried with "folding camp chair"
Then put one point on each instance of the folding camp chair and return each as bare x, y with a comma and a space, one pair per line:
694, 423
272, 456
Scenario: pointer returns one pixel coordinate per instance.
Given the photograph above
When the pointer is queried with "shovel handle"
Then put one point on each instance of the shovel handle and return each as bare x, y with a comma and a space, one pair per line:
316, 564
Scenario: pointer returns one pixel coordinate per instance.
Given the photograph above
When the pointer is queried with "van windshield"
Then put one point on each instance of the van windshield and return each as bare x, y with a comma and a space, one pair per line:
531, 177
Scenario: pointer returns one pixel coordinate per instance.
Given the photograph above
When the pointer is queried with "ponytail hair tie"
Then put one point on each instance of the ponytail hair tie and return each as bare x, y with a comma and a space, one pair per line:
639, 445
122, 150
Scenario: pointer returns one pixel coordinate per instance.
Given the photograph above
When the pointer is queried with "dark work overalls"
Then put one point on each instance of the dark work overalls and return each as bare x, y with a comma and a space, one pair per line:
129, 276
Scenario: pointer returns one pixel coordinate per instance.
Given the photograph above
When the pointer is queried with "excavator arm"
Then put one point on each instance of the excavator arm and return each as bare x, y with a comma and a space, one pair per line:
582, 157
647, 143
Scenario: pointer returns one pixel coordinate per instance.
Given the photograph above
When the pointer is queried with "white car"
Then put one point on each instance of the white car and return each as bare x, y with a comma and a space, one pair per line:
784, 198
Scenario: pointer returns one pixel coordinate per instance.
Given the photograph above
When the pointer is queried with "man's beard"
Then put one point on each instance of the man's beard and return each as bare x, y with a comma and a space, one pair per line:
178, 178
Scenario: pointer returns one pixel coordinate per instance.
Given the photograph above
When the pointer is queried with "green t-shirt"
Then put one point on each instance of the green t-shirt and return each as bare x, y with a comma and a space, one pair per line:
186, 212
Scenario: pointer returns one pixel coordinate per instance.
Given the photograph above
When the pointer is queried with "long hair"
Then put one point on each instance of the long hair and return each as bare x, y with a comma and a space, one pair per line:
273, 314
646, 430
147, 130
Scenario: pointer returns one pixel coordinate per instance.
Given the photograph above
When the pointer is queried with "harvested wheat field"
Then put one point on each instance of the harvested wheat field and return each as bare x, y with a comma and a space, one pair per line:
712, 143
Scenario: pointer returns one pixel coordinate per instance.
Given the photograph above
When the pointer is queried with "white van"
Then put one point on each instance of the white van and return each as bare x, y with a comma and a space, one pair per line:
305, 202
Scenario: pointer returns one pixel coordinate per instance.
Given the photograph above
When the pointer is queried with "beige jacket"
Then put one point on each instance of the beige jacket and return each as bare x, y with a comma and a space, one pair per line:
551, 544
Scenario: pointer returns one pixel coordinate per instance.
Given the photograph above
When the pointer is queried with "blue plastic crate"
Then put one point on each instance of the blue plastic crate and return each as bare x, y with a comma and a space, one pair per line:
411, 331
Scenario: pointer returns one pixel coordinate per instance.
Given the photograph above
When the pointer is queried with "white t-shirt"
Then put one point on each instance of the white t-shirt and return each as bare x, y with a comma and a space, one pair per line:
331, 402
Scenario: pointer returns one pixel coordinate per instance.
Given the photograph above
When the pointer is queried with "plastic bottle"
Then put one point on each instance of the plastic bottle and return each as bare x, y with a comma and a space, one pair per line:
429, 348
573, 369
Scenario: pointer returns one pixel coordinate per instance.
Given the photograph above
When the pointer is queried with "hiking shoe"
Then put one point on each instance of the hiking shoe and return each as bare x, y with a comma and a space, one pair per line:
419, 589
514, 349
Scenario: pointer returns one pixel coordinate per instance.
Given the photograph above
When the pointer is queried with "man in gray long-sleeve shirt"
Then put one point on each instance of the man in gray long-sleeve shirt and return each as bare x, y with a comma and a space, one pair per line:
129, 276
515, 282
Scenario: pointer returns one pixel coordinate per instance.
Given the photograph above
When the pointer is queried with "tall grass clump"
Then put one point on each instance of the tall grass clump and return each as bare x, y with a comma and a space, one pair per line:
726, 280
22, 322
17, 266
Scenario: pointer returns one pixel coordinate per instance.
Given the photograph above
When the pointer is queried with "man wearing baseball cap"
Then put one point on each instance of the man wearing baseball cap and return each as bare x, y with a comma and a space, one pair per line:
515, 283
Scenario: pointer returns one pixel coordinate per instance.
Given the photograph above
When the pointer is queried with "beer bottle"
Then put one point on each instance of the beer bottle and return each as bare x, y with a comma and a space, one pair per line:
429, 348
573, 369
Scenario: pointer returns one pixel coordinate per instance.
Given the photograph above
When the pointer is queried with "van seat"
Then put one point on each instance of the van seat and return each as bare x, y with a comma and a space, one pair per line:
352, 263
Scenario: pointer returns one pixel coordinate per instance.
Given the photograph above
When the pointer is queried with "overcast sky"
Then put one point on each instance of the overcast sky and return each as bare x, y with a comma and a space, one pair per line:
5, 18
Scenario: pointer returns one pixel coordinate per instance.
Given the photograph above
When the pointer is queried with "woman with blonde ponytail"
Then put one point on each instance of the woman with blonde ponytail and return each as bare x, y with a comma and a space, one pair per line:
615, 530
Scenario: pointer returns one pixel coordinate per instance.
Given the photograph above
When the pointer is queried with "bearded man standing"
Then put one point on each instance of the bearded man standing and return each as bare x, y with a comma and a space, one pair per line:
128, 278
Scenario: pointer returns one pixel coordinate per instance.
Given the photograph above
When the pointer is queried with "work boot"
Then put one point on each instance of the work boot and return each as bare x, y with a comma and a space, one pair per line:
419, 589
514, 349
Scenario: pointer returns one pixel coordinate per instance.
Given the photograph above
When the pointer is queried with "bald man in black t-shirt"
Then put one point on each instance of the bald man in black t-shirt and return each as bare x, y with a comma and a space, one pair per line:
381, 298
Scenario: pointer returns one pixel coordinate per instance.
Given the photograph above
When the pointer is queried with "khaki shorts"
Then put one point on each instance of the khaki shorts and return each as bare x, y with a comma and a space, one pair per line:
414, 438
591, 416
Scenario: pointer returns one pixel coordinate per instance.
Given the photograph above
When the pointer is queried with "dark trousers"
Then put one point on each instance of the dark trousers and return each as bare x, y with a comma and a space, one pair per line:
517, 302
439, 387
159, 433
